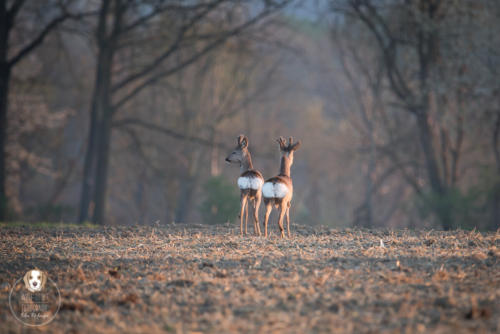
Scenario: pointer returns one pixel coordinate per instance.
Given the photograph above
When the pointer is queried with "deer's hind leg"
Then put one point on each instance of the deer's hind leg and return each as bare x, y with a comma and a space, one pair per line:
283, 210
287, 215
256, 206
269, 207
246, 216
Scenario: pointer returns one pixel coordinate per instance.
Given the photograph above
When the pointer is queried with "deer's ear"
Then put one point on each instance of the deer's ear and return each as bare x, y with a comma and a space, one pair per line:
240, 139
295, 146
244, 142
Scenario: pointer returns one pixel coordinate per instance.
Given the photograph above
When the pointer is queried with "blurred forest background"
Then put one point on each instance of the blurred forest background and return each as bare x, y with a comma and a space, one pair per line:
122, 111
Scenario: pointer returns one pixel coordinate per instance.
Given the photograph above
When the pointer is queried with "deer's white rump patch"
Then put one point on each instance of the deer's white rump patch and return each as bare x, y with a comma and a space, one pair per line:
245, 182
274, 190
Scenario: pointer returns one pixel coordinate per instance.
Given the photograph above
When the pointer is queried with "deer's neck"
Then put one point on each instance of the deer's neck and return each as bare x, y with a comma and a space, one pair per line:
246, 163
285, 166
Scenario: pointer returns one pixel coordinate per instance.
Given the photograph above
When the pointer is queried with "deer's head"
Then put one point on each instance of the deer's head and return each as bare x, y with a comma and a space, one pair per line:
288, 149
240, 151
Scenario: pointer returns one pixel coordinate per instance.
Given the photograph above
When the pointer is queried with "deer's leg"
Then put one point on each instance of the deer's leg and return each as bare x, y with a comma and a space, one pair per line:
246, 216
256, 214
253, 216
266, 217
280, 220
242, 211
287, 214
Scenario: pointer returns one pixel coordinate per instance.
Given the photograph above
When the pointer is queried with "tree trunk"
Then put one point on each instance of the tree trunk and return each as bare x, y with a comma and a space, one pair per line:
102, 163
184, 200
369, 179
426, 141
189, 186
89, 165
96, 164
100, 110
495, 198
495, 208
4, 93
442, 210
99, 143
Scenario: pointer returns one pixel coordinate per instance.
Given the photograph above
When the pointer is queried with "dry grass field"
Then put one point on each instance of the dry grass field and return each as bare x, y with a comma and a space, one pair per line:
198, 279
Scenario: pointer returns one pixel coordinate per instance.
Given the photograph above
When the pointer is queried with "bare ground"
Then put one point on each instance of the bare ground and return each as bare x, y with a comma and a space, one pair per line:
193, 278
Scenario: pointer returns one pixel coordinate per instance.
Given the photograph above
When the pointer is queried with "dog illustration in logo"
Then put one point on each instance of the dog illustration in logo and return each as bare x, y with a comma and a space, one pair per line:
35, 280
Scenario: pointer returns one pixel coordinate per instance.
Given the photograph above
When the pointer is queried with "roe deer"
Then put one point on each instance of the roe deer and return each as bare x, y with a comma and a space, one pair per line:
278, 190
250, 183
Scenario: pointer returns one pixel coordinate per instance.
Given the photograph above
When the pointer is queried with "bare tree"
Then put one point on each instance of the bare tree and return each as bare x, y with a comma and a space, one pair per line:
10, 57
412, 30
117, 20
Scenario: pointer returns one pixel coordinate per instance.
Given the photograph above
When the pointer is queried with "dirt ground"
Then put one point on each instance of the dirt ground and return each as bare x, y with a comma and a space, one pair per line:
194, 278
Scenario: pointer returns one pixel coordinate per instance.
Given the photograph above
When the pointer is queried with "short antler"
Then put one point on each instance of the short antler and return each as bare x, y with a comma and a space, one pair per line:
295, 146
282, 143
291, 146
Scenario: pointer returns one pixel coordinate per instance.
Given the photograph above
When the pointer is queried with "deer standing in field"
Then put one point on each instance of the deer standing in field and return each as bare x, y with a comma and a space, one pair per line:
278, 190
250, 183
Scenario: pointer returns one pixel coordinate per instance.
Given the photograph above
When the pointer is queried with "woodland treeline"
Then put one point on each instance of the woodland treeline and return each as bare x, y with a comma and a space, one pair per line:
122, 111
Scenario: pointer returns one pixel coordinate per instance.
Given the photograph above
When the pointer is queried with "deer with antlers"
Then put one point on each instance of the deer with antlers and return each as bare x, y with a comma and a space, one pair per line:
250, 183
278, 190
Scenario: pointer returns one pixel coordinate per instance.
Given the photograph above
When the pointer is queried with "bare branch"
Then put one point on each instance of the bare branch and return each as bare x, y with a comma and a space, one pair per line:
395, 78
175, 46
192, 59
38, 40
13, 10
159, 10
166, 131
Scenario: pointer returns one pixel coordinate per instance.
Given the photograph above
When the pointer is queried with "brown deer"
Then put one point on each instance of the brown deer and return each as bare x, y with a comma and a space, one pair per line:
250, 183
278, 190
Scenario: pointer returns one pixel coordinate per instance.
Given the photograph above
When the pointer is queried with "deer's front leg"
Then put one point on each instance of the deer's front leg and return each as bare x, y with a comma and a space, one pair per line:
242, 212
